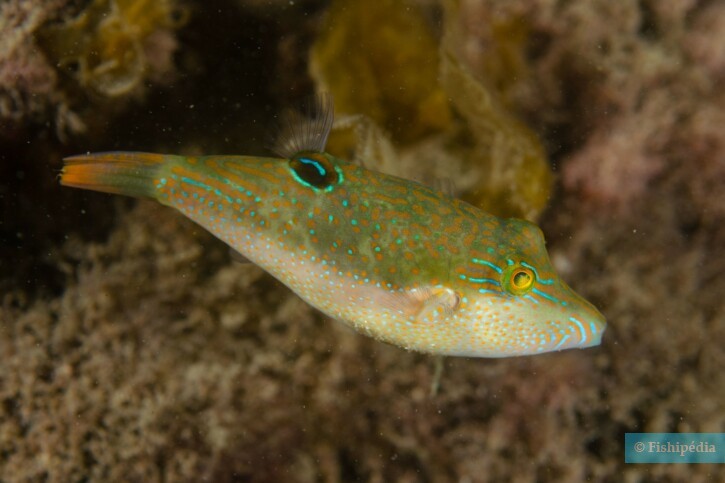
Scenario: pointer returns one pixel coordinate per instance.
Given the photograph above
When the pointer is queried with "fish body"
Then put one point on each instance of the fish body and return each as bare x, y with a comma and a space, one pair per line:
393, 259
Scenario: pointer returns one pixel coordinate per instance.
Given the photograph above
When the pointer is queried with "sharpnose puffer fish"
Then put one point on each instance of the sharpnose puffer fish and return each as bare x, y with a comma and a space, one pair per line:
396, 260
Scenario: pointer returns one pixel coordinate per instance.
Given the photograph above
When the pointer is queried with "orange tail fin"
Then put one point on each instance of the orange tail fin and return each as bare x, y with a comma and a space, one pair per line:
125, 173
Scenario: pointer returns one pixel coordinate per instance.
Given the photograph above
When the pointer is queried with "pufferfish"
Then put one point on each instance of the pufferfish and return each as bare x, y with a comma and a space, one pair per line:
391, 258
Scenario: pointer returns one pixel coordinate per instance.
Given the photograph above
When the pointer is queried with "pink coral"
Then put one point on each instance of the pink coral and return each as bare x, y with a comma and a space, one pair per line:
27, 81
705, 42
618, 160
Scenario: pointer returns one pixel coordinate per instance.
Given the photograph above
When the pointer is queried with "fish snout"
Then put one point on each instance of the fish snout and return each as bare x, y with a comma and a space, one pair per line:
588, 322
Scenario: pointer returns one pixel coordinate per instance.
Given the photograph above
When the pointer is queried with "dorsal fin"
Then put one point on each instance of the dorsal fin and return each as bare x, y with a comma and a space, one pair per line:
446, 185
305, 129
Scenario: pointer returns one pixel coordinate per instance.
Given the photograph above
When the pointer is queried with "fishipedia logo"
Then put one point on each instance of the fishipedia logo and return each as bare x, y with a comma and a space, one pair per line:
674, 448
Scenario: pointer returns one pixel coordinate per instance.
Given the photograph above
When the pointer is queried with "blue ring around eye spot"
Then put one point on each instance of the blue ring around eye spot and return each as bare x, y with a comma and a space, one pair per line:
320, 169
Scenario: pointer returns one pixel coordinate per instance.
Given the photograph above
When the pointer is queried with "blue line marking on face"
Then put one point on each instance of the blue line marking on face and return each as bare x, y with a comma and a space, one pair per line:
484, 280
487, 263
531, 298
546, 295
547, 281
561, 342
581, 329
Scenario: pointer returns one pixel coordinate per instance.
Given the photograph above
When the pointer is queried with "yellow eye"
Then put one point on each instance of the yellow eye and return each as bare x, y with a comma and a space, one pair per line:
521, 280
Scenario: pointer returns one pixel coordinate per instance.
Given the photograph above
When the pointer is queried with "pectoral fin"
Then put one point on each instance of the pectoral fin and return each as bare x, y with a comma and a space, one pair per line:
425, 305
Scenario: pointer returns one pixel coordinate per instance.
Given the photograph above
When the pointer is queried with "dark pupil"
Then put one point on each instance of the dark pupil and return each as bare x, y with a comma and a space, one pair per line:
313, 172
521, 278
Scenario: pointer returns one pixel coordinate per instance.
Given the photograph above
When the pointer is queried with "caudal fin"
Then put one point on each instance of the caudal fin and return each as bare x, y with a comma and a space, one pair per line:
125, 173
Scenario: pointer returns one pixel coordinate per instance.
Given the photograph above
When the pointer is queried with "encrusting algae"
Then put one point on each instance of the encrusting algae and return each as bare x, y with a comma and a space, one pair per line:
396, 78
109, 42
380, 59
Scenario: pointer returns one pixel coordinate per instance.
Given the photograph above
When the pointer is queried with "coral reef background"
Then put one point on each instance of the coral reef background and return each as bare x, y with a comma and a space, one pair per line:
133, 349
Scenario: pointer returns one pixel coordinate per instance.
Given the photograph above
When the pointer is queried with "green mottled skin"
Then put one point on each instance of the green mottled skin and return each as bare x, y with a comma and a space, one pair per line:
392, 258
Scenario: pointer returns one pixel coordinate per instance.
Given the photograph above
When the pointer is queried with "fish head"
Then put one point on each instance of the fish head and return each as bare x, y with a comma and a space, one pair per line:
530, 309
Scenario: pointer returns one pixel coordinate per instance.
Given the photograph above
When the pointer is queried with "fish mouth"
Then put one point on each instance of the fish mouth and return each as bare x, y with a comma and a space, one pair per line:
595, 338
590, 323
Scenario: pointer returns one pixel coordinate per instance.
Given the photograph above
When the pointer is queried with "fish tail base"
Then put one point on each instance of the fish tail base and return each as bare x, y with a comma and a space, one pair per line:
125, 173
